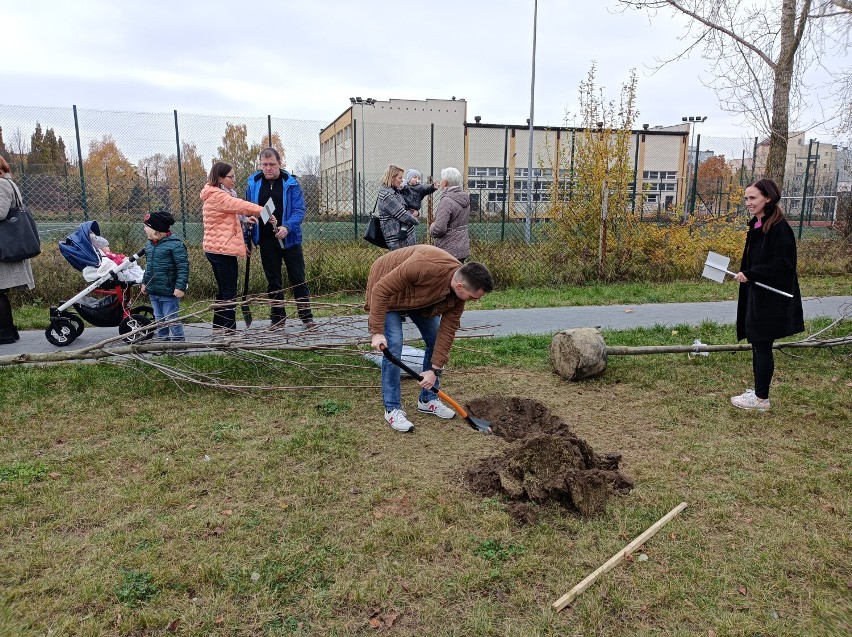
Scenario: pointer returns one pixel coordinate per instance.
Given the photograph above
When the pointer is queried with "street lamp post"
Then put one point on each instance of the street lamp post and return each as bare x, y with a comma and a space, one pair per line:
692, 120
369, 102
528, 224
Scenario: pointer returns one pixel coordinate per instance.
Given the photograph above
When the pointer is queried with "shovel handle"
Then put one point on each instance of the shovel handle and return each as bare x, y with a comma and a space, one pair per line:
764, 286
396, 361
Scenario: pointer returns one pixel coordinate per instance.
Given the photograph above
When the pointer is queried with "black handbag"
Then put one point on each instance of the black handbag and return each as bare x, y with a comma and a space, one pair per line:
374, 232
19, 238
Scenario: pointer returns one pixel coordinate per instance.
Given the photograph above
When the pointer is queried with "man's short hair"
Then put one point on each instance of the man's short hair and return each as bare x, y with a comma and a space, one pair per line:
476, 277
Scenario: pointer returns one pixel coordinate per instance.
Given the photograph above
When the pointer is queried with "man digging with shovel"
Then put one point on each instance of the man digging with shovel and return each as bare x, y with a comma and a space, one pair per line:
431, 287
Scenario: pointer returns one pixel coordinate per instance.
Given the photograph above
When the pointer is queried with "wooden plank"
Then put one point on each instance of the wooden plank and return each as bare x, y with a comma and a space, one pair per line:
569, 597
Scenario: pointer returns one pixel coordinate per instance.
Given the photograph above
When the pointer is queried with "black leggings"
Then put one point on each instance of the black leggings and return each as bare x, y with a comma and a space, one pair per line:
5, 311
763, 365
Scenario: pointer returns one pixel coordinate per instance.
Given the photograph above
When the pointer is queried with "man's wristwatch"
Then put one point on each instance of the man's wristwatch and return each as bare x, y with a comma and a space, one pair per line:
438, 371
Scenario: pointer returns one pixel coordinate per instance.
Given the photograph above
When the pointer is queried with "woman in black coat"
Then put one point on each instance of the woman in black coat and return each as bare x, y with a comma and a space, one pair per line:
769, 257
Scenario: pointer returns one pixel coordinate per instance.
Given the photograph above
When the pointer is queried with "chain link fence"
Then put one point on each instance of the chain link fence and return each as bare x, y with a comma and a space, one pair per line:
78, 164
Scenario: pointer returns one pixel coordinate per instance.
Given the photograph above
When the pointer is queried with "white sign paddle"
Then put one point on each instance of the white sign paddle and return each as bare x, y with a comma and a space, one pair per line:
716, 267
267, 213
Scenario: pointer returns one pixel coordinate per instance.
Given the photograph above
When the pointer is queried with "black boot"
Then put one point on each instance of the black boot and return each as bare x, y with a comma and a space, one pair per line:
7, 336
277, 318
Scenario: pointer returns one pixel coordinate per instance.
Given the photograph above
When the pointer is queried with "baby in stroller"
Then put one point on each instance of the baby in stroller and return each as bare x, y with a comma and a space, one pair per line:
109, 260
112, 278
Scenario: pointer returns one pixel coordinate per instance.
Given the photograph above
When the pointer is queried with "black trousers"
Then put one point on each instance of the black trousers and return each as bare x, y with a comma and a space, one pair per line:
763, 365
225, 271
272, 256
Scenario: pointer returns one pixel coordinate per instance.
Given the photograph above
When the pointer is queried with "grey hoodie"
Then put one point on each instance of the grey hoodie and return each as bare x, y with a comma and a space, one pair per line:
450, 229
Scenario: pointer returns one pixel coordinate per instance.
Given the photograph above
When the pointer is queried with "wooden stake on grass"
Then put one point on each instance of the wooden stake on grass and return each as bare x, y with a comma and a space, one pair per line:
569, 597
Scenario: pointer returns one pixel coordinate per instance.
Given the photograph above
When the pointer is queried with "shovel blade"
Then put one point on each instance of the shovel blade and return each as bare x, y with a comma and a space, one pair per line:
479, 424
715, 267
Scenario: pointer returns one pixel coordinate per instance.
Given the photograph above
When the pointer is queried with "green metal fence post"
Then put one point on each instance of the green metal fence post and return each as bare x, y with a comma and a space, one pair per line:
180, 177
83, 200
67, 191
805, 188
635, 171
148, 188
813, 185
355, 174
695, 177
505, 182
109, 198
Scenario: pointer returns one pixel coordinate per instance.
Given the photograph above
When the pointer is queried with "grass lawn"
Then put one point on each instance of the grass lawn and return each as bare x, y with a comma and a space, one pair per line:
132, 506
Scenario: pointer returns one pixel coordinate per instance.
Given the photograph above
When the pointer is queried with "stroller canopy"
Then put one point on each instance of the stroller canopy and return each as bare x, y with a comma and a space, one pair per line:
77, 248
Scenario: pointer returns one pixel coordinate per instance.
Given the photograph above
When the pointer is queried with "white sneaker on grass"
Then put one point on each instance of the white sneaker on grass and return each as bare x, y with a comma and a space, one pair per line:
436, 408
398, 421
749, 400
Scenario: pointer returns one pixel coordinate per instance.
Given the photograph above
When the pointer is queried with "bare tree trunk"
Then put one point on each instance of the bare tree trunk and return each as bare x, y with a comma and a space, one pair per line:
780, 125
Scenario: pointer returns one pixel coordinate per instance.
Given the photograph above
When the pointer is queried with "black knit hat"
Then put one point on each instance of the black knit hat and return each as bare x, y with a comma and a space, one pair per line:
160, 221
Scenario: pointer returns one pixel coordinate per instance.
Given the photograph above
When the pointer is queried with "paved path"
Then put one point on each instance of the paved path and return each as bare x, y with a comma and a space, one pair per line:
504, 322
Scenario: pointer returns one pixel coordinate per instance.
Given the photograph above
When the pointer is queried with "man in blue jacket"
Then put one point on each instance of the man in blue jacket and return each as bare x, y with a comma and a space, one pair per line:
281, 238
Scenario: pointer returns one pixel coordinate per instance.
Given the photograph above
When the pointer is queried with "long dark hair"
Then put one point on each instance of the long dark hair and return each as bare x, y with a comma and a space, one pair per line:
772, 212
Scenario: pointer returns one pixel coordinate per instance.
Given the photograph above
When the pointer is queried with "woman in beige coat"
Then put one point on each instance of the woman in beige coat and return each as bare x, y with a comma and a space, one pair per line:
17, 275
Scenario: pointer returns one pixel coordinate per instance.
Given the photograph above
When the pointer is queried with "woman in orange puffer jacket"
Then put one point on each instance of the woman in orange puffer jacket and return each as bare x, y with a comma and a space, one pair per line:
223, 239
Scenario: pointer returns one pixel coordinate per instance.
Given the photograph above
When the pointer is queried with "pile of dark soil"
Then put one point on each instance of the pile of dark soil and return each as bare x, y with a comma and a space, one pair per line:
546, 461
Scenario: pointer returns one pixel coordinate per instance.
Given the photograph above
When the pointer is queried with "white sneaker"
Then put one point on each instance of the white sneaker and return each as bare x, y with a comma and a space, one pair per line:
436, 407
749, 400
398, 421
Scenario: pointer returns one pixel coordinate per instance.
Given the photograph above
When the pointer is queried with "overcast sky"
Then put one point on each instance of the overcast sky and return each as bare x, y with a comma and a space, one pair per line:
305, 59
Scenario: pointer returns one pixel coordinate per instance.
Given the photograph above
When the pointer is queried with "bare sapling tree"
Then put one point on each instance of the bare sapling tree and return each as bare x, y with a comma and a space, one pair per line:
763, 56
591, 202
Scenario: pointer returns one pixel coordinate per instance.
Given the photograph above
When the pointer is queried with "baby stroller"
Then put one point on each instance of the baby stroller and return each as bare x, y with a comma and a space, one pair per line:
113, 305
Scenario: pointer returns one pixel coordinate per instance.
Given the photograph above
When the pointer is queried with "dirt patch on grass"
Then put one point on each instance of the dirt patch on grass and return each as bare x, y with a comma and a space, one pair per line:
546, 462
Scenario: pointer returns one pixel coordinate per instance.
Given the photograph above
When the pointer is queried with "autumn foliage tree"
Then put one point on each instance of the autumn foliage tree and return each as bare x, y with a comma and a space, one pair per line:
715, 179
592, 207
110, 177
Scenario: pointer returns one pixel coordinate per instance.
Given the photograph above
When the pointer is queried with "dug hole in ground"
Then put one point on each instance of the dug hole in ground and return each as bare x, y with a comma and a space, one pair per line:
545, 462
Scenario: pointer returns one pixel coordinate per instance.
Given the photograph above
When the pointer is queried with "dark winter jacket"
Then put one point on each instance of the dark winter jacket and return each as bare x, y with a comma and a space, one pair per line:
450, 226
769, 258
397, 223
413, 195
290, 215
166, 266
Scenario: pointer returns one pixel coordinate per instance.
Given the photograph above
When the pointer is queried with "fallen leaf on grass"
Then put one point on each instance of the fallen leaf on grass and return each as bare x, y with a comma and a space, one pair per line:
228, 512
54, 474
629, 559
173, 625
190, 507
711, 633
742, 590
219, 620
375, 623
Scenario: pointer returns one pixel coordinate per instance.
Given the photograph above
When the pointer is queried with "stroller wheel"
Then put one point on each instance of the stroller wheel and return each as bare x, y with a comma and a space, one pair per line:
134, 322
77, 323
62, 331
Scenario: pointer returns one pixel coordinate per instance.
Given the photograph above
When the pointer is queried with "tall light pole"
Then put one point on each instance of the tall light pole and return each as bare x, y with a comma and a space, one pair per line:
693, 120
369, 102
528, 224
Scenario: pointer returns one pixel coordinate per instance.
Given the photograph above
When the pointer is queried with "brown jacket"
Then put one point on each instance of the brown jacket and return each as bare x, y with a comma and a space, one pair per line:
416, 278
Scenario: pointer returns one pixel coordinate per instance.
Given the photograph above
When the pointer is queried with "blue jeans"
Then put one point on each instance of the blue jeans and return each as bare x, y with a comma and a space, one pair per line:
165, 309
391, 381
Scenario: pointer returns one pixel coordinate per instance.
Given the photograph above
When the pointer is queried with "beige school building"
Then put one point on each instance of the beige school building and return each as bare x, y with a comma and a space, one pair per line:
357, 147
